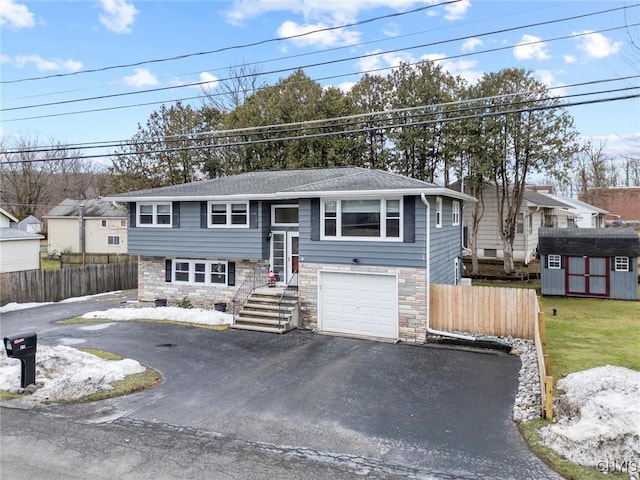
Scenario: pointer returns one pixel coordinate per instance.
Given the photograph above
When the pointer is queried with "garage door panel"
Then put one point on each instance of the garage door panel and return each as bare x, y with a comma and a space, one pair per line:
359, 304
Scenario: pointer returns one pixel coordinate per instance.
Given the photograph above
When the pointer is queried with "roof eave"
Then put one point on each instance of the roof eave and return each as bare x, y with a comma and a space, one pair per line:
292, 194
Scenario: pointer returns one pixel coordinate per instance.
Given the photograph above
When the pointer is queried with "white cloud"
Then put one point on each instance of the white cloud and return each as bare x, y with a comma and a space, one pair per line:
15, 15
210, 79
118, 15
45, 65
339, 11
527, 50
140, 78
328, 38
470, 44
596, 45
570, 59
455, 11
392, 30
346, 86
384, 60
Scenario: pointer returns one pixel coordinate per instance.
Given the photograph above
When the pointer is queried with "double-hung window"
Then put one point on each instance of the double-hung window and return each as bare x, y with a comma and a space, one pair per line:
621, 264
154, 214
362, 219
228, 214
455, 213
200, 272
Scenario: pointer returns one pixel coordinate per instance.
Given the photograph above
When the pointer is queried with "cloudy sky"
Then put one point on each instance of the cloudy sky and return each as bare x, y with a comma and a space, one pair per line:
91, 70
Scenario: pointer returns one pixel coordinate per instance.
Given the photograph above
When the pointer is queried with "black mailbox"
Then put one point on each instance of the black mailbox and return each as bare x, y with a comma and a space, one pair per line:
23, 347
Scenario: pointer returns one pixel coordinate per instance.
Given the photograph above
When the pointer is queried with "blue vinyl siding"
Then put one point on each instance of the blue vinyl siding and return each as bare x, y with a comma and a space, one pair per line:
378, 253
191, 241
446, 243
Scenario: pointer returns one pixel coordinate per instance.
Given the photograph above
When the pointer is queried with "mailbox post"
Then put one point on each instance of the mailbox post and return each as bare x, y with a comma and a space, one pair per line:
23, 347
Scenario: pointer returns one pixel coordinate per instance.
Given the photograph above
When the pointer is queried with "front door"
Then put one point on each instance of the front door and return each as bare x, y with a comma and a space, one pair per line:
284, 257
587, 276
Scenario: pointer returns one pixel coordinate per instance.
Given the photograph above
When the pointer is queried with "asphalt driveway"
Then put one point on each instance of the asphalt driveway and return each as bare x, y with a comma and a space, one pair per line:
442, 412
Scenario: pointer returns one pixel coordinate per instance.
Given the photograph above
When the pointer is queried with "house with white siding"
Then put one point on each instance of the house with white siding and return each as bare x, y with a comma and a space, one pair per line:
537, 210
19, 250
348, 250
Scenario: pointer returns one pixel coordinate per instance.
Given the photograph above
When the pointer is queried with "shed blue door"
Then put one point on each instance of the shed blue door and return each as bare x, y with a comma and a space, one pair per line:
587, 276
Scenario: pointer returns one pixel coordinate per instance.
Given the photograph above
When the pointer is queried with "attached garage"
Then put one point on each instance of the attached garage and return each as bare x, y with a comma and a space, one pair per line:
362, 304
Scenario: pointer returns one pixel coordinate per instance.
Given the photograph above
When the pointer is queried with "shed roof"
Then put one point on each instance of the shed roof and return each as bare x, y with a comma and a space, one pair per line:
596, 242
7, 234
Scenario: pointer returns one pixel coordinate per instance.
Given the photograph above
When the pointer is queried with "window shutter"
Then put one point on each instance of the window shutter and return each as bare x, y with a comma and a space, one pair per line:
231, 274
546, 261
168, 267
612, 266
203, 215
253, 214
562, 262
315, 219
175, 215
132, 214
409, 214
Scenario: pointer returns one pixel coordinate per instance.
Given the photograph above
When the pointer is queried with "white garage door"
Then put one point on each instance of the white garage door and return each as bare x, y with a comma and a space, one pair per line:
358, 304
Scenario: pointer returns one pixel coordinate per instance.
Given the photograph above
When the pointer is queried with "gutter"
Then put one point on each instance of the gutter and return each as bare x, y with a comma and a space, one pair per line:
428, 281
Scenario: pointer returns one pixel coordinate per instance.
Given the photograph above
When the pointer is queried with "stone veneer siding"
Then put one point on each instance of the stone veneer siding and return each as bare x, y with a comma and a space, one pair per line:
152, 285
412, 296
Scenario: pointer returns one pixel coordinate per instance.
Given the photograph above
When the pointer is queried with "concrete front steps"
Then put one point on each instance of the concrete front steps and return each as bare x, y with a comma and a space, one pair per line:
261, 312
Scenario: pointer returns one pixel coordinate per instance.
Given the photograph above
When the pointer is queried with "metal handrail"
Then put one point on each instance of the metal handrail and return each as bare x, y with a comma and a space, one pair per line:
256, 277
290, 290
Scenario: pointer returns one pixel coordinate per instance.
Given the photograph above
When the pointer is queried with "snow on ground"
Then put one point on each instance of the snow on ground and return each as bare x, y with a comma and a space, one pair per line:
598, 418
10, 307
175, 314
65, 374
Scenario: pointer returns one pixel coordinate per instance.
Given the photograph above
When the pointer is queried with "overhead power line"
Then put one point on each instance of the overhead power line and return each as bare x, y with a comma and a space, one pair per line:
344, 132
329, 62
237, 47
333, 120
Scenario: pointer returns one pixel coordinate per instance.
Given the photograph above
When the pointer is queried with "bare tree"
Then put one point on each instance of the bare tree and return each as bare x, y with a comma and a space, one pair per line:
242, 81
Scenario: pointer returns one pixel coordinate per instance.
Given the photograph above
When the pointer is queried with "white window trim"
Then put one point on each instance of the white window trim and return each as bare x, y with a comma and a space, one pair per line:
438, 212
624, 261
383, 221
455, 213
273, 215
154, 214
228, 223
556, 260
207, 273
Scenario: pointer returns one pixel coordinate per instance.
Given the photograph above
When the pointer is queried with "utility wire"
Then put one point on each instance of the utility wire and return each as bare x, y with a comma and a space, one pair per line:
236, 47
334, 120
103, 97
345, 132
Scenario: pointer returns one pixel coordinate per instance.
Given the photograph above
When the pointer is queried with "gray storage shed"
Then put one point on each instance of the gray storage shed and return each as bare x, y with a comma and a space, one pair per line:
589, 262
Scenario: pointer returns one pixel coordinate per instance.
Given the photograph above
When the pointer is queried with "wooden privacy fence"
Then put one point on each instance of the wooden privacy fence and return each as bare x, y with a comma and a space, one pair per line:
56, 285
484, 310
498, 312
80, 259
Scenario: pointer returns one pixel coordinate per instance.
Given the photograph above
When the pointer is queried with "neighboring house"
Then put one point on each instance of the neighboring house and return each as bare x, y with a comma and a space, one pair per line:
18, 250
590, 262
30, 224
537, 210
585, 215
87, 226
360, 245
622, 203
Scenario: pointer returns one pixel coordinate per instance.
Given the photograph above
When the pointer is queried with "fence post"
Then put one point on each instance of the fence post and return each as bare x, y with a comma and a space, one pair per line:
542, 328
548, 406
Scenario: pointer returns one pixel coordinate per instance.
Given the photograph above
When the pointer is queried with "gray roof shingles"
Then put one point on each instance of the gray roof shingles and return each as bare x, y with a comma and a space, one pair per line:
93, 207
597, 242
282, 181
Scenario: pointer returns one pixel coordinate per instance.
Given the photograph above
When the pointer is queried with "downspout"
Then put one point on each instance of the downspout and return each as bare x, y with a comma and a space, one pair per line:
428, 280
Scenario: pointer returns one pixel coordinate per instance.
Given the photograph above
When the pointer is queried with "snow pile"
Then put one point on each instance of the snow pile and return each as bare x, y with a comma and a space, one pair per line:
598, 417
65, 374
175, 314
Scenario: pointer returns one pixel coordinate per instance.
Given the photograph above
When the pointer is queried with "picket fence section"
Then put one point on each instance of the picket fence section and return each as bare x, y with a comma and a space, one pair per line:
56, 285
